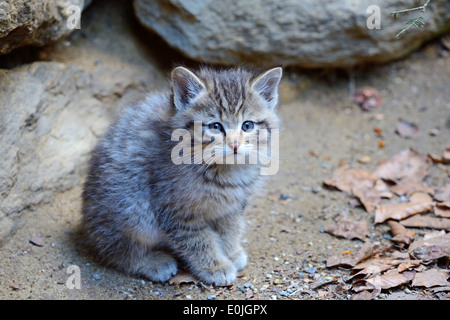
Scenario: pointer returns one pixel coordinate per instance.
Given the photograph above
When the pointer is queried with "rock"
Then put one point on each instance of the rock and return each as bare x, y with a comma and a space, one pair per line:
309, 33
51, 115
36, 22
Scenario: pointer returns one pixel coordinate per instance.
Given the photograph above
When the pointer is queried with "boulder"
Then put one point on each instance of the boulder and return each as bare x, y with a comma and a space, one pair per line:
51, 115
37, 22
307, 33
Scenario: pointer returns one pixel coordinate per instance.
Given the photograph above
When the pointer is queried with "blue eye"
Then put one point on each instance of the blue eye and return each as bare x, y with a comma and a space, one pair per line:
248, 125
216, 126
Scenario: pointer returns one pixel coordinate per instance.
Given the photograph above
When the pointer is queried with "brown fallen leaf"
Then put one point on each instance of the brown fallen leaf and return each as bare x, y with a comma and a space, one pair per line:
408, 186
367, 98
444, 158
391, 279
442, 209
407, 163
400, 234
407, 265
370, 197
374, 266
427, 222
183, 277
366, 251
419, 203
431, 248
348, 229
362, 184
431, 278
37, 241
443, 194
347, 179
407, 130
366, 294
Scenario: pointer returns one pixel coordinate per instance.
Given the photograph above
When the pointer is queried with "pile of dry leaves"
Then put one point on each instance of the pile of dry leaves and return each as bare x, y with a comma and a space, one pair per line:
397, 195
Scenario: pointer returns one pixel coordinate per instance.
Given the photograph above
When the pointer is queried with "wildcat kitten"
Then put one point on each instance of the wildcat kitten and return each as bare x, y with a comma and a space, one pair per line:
143, 214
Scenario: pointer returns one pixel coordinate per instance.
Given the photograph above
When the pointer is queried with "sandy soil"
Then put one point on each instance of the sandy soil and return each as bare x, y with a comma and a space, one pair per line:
284, 238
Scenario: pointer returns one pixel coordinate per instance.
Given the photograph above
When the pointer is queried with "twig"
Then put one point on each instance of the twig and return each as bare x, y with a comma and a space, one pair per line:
416, 22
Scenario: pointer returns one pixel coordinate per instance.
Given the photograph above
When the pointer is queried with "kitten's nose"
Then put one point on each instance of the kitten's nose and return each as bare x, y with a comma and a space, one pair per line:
235, 145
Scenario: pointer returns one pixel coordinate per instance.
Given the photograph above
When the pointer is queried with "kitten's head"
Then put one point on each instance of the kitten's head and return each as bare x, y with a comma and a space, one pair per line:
235, 108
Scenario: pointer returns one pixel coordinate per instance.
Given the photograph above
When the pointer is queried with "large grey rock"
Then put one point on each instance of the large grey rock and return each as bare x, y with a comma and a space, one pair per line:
307, 33
36, 22
51, 115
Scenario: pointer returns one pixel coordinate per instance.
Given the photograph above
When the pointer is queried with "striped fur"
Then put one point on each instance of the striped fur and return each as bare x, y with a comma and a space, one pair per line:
143, 214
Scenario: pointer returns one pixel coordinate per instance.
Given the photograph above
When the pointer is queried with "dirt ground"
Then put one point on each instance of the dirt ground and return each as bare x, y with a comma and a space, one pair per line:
284, 239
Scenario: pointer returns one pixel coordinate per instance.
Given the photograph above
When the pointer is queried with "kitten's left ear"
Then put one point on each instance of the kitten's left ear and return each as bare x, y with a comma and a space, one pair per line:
266, 85
187, 87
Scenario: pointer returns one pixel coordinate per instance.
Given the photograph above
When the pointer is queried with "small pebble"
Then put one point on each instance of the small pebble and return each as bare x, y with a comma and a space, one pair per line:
284, 293
284, 197
316, 189
212, 297
311, 270
96, 276
269, 276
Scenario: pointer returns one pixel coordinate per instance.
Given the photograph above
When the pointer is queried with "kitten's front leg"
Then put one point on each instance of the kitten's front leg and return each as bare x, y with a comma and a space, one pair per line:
200, 248
230, 229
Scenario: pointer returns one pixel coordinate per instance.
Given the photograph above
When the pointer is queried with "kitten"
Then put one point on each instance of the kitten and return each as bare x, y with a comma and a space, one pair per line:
143, 214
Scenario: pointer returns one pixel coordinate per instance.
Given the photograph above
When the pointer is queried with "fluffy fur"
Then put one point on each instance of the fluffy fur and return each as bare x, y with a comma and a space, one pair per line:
143, 214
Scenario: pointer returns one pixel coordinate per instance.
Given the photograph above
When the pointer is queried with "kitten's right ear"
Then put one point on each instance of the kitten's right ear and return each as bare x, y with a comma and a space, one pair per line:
266, 85
186, 86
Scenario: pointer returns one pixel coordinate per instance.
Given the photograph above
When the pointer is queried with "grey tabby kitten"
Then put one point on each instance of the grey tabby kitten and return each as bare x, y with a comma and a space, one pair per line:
143, 214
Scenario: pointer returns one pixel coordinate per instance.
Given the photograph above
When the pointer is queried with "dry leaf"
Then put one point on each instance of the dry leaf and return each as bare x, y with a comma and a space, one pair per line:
391, 279
367, 98
407, 130
407, 265
408, 186
183, 277
400, 235
366, 294
427, 222
408, 163
431, 278
442, 209
348, 229
419, 203
374, 266
370, 197
362, 184
347, 179
431, 248
366, 251
37, 241
336, 261
444, 158
443, 194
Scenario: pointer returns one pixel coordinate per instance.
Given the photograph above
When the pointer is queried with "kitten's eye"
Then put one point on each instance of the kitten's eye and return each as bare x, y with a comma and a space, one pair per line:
216, 126
248, 125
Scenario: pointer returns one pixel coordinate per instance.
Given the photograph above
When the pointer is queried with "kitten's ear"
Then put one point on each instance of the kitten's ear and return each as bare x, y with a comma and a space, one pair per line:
186, 86
266, 85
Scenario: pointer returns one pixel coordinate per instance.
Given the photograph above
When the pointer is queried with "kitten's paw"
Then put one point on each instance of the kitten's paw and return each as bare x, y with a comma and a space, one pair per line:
158, 267
223, 274
239, 259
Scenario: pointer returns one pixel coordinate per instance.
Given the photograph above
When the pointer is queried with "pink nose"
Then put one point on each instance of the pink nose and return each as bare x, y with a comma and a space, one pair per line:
235, 145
